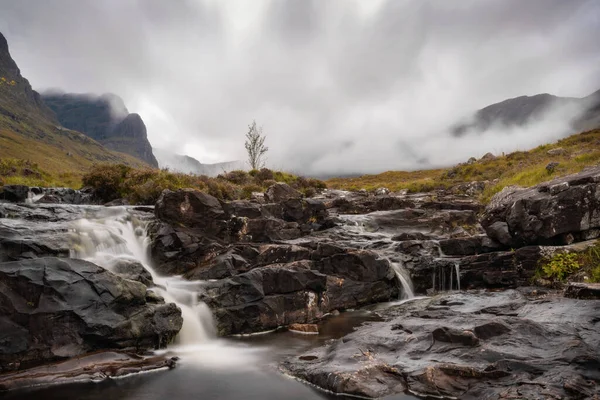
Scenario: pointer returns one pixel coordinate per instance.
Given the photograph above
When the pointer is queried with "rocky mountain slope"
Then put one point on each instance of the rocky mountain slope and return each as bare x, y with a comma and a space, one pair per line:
105, 119
189, 165
29, 129
519, 111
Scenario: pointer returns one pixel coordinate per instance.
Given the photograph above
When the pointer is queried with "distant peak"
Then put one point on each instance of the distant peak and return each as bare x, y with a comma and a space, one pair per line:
3, 44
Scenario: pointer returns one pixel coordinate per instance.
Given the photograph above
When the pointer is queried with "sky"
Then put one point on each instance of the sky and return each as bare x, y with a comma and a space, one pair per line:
339, 86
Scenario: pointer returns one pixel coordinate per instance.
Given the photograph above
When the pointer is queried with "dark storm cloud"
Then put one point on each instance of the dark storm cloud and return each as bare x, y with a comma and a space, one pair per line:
339, 86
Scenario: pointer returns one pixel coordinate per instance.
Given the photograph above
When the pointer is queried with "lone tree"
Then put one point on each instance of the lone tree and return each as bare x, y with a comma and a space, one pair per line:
255, 146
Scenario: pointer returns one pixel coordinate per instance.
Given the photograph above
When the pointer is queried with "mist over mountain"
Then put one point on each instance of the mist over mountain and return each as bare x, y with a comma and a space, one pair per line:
30, 130
189, 165
527, 110
105, 119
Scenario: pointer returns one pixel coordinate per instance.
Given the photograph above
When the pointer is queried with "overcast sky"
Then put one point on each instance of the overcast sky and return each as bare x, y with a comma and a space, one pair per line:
338, 86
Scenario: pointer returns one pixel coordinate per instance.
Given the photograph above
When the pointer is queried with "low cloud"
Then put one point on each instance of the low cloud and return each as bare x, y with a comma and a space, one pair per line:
340, 86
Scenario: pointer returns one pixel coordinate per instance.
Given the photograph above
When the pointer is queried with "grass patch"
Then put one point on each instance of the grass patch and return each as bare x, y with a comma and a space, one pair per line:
144, 186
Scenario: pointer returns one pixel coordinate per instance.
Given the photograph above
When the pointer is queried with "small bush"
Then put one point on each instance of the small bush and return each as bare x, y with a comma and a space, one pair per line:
247, 190
107, 180
561, 265
237, 177
264, 174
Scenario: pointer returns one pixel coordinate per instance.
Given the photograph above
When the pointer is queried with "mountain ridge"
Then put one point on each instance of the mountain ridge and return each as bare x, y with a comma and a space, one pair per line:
105, 119
29, 130
521, 110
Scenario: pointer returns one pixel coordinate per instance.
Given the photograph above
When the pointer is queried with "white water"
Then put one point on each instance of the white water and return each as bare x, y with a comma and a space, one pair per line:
404, 279
120, 236
362, 224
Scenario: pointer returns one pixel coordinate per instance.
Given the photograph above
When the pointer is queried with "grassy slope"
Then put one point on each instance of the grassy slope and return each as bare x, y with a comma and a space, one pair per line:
523, 168
63, 155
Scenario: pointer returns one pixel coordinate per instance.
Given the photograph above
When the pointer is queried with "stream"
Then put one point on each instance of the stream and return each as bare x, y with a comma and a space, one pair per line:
208, 367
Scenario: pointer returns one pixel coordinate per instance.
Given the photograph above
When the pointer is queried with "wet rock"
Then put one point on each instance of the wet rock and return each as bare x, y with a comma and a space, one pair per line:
280, 192
301, 291
491, 329
544, 214
87, 368
469, 246
116, 203
542, 349
193, 209
48, 199
304, 328
589, 291
411, 236
54, 308
449, 335
14, 193
133, 270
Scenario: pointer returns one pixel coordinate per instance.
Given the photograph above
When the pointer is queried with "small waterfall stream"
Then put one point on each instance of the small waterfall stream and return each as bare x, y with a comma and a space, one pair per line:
118, 235
363, 226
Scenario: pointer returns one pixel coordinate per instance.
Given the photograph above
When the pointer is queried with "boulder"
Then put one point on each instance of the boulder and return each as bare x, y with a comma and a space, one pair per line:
133, 270
559, 151
487, 157
193, 209
589, 291
280, 192
546, 213
54, 308
14, 193
297, 292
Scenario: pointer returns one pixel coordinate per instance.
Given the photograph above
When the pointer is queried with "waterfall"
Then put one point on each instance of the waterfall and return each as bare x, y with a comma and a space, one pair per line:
404, 279
444, 277
116, 234
457, 269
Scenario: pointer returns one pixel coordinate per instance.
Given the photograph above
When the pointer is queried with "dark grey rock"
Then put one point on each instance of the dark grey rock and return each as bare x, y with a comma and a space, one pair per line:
59, 308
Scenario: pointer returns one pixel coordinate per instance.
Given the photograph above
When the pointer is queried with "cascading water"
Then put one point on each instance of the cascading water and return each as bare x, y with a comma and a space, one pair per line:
117, 235
444, 277
364, 226
404, 279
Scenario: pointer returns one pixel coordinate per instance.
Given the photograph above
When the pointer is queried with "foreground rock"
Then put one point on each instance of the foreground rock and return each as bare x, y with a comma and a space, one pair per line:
558, 212
589, 291
89, 368
286, 293
467, 346
53, 309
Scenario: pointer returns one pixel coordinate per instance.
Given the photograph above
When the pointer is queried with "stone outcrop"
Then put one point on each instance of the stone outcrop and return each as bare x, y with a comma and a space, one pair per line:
260, 282
53, 309
590, 291
467, 346
557, 212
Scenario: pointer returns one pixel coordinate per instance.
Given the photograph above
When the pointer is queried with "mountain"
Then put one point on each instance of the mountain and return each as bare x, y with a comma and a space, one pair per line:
583, 112
189, 165
29, 130
105, 119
